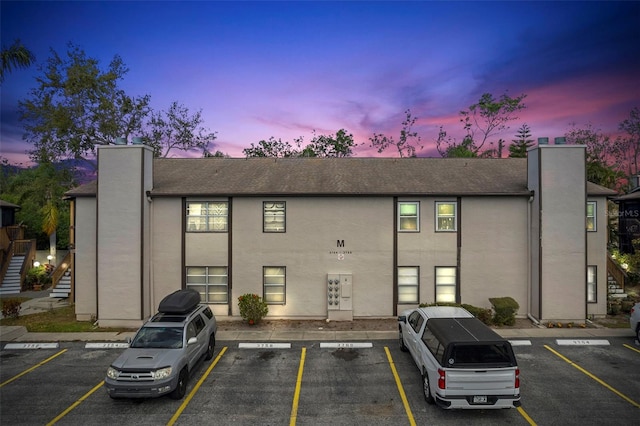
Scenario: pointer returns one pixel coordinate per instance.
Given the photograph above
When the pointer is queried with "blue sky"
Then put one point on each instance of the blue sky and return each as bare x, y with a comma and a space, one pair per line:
284, 69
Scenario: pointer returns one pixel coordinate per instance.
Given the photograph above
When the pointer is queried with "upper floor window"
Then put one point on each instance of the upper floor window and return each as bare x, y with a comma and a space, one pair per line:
408, 216
273, 216
445, 216
207, 216
591, 216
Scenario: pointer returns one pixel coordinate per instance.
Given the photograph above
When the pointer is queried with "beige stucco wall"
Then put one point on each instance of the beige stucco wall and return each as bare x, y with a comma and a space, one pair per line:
84, 267
494, 254
563, 235
596, 256
122, 216
309, 251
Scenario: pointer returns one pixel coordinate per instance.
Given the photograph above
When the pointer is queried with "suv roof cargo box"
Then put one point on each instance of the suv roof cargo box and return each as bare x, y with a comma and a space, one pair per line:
180, 302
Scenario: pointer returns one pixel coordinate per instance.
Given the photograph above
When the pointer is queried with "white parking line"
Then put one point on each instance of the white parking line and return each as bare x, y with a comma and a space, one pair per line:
346, 345
32, 346
582, 342
264, 345
520, 342
106, 345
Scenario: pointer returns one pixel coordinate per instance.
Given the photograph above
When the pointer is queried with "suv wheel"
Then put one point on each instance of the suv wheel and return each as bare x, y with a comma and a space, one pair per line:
181, 389
211, 346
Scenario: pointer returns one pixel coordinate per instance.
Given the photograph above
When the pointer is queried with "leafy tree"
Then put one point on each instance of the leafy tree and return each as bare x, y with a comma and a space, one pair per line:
484, 119
627, 148
448, 148
176, 128
77, 106
339, 145
15, 56
600, 166
39, 191
271, 148
407, 143
523, 141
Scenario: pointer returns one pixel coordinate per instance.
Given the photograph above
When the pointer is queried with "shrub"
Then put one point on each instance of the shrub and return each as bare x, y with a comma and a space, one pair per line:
37, 276
11, 308
252, 308
505, 309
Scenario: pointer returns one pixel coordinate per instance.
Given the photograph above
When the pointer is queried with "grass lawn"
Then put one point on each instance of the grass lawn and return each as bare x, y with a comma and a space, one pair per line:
55, 321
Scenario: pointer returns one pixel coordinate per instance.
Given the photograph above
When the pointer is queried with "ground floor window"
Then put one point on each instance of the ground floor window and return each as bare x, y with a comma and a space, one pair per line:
210, 281
592, 280
274, 284
445, 284
408, 284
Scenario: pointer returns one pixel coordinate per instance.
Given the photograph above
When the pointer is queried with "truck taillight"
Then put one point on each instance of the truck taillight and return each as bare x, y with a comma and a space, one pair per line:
441, 379
517, 378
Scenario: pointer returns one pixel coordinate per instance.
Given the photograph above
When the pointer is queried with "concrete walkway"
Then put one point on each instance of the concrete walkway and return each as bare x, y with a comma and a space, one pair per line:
41, 302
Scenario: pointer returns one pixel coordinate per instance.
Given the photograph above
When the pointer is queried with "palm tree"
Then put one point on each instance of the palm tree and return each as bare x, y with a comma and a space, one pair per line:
16, 56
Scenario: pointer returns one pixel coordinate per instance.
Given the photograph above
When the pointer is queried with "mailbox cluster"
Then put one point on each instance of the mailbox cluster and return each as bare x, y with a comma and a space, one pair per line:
334, 293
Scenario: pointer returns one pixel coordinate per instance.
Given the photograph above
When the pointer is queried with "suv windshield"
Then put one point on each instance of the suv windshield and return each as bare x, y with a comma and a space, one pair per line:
158, 337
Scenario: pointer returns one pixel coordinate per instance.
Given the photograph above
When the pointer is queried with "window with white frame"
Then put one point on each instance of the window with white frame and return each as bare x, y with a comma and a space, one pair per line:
212, 282
445, 284
408, 216
591, 216
408, 284
207, 216
273, 214
274, 284
446, 216
592, 281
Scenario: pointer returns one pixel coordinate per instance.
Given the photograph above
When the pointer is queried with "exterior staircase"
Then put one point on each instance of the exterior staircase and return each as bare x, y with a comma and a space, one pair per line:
11, 282
63, 288
614, 290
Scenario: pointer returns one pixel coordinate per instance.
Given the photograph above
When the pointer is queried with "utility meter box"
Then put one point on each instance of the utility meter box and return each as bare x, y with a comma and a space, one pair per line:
339, 292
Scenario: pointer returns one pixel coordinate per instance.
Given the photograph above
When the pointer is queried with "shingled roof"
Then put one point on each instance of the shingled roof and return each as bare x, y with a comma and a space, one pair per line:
189, 177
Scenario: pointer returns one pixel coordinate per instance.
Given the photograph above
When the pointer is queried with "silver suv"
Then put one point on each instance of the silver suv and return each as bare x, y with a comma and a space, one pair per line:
165, 350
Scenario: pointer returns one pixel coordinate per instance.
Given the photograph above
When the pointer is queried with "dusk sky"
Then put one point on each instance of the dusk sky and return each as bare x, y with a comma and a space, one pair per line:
284, 69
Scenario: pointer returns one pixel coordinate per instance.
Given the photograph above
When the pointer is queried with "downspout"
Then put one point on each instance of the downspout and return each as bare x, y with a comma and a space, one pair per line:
529, 207
150, 257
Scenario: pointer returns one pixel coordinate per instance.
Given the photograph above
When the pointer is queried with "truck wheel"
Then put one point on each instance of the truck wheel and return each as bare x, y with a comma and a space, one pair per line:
211, 346
403, 347
426, 389
181, 389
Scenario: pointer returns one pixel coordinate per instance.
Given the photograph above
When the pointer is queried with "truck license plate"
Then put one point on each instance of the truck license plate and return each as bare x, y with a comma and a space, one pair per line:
480, 399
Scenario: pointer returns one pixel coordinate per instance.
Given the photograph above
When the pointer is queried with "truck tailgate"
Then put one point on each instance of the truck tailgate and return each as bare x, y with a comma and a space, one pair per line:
480, 381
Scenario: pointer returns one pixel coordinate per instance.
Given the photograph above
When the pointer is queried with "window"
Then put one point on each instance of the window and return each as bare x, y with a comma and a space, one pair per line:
591, 216
408, 284
445, 216
203, 216
274, 283
273, 216
408, 216
592, 288
210, 281
445, 284
415, 321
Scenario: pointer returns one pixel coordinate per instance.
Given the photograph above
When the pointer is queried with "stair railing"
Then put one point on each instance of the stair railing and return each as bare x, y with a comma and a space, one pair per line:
616, 271
58, 273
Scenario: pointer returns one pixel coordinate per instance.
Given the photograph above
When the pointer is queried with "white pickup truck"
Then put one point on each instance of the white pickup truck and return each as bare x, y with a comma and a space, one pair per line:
463, 363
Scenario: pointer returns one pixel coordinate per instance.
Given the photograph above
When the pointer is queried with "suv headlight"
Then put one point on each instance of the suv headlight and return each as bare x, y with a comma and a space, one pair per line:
163, 373
112, 373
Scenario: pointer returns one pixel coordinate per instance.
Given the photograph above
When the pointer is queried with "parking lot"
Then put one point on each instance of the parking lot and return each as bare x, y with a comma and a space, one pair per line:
306, 382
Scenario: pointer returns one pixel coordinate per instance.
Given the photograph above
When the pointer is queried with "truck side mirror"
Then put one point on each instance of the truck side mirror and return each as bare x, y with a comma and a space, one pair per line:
402, 318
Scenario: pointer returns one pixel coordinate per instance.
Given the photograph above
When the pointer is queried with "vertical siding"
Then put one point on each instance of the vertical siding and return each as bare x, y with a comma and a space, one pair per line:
84, 268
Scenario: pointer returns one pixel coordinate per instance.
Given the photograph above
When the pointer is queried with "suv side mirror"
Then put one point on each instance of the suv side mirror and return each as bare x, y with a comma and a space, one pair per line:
402, 318
192, 340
